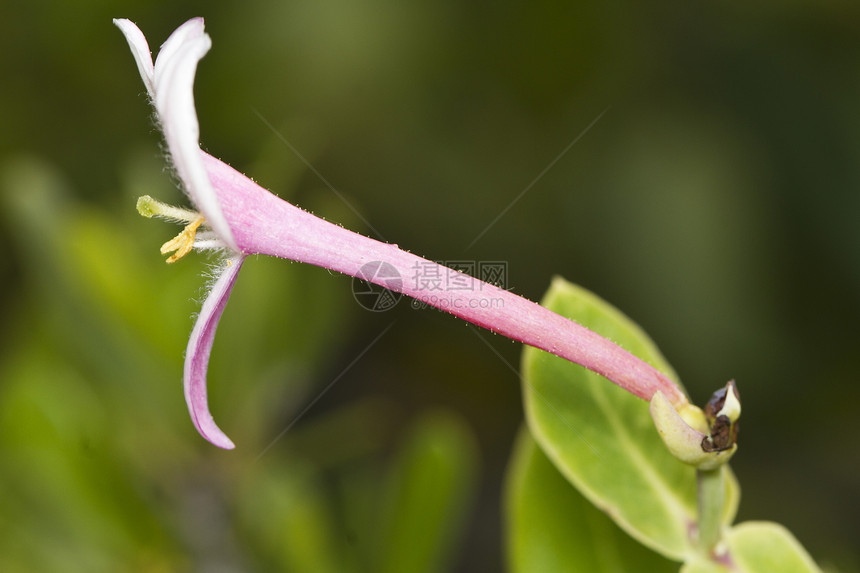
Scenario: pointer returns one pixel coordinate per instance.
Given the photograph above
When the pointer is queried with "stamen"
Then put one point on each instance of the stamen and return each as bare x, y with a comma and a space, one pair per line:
182, 242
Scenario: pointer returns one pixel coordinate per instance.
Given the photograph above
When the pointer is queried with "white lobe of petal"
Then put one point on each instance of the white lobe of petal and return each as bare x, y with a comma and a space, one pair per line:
732, 406
140, 50
175, 68
197, 354
187, 32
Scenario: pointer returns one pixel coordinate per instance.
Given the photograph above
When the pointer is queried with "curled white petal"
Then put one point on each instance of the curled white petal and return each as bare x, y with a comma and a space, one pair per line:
197, 354
170, 83
140, 50
187, 32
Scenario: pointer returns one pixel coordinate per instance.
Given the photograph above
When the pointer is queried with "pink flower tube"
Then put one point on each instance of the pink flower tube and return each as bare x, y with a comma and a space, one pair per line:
242, 218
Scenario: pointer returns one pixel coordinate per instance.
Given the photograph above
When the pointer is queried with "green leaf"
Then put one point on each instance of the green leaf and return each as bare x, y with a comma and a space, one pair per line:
759, 547
551, 527
602, 439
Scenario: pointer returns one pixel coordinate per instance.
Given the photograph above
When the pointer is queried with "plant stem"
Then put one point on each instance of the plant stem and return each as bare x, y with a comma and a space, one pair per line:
711, 501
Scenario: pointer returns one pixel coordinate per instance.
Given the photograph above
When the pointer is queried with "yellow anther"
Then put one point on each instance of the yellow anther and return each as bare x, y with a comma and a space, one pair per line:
183, 242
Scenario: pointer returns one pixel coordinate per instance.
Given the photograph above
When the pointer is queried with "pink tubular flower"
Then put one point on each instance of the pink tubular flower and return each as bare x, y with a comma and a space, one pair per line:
242, 218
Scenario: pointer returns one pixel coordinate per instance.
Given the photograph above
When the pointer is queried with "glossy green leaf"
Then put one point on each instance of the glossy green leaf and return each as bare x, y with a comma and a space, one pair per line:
602, 439
759, 547
550, 526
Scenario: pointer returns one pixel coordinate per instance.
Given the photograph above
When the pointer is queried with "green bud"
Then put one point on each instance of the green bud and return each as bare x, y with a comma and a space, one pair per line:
683, 434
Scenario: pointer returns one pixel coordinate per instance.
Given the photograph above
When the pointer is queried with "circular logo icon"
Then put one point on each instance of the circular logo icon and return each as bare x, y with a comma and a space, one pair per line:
377, 286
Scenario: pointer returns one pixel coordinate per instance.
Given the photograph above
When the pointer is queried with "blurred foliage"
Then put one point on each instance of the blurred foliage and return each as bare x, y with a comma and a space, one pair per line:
95, 466
715, 203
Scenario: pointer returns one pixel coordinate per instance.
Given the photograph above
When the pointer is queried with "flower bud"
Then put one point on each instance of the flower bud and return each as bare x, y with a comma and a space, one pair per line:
706, 439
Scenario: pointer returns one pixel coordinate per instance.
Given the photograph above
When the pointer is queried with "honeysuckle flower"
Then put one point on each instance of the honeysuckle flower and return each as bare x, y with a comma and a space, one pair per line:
238, 216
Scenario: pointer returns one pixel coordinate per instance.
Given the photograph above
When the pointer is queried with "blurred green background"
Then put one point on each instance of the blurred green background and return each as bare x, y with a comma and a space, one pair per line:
716, 202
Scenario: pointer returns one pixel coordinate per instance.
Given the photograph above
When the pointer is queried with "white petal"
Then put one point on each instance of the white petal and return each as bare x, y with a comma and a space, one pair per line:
188, 31
174, 101
140, 51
